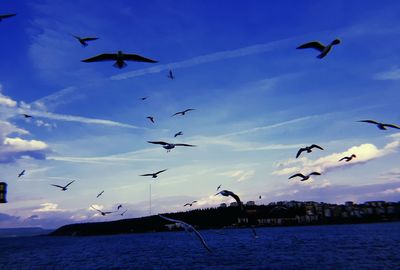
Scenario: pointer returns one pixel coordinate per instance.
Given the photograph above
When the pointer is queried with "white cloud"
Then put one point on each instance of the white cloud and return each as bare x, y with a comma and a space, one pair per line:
49, 207
239, 175
393, 74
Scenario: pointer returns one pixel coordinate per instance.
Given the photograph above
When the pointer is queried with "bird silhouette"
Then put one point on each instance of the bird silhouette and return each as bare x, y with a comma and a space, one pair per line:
170, 75
308, 149
380, 125
119, 58
119, 206
153, 175
183, 112
188, 228
151, 118
63, 188
98, 195
27, 115
103, 213
170, 146
227, 193
190, 204
144, 98
219, 187
21, 173
5, 16
304, 177
347, 159
178, 134
320, 47
83, 41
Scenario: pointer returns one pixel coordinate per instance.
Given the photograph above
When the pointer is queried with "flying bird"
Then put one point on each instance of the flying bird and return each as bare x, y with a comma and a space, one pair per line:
190, 204
21, 173
98, 195
381, 126
170, 75
151, 118
119, 58
304, 177
84, 40
102, 212
227, 193
119, 206
259, 197
64, 188
347, 159
27, 115
5, 16
188, 228
144, 98
183, 112
178, 134
153, 175
320, 47
219, 187
308, 149
170, 146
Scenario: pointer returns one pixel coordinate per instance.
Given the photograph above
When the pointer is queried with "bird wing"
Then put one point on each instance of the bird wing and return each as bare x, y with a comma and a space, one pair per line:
90, 38
194, 202
7, 16
147, 174
184, 144
391, 125
96, 209
100, 194
186, 204
57, 186
313, 45
170, 219
237, 199
299, 152
158, 142
201, 239
315, 173
188, 110
160, 171
343, 158
138, 58
316, 146
297, 174
176, 113
70, 183
369, 121
101, 57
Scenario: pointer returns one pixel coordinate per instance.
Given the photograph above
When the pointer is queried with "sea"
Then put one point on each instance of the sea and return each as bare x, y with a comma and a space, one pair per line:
359, 246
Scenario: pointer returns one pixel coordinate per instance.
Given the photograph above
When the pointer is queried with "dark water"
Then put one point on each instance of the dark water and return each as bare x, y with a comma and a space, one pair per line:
364, 246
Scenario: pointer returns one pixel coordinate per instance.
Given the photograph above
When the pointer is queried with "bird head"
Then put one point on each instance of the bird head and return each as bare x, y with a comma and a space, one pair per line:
336, 41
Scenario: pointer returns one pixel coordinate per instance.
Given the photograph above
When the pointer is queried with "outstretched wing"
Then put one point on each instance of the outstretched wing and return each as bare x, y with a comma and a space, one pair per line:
170, 219
299, 152
370, 121
201, 239
316, 146
7, 16
147, 174
137, 58
96, 209
313, 45
188, 110
315, 173
297, 174
57, 186
186, 204
90, 38
158, 142
177, 113
342, 159
102, 57
70, 183
160, 171
391, 125
184, 144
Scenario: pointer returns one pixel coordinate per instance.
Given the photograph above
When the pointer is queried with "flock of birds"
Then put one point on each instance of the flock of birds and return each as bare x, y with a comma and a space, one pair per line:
120, 58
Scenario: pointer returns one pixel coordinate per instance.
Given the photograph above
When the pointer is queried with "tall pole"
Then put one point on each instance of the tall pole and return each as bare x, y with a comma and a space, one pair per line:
150, 200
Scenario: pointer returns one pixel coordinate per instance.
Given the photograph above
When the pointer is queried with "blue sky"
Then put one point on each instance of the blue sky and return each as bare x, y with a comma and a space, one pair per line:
257, 100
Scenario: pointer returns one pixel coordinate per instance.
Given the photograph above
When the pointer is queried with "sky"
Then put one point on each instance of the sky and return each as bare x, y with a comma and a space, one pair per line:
257, 100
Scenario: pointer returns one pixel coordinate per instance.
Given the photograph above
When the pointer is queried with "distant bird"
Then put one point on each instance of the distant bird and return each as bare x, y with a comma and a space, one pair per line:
21, 173
381, 126
170, 75
84, 40
308, 149
305, 177
190, 204
259, 197
151, 118
218, 187
123, 212
227, 193
320, 47
188, 228
144, 98
170, 146
119, 206
153, 175
347, 159
178, 134
183, 112
98, 195
5, 16
63, 188
102, 212
27, 115
119, 58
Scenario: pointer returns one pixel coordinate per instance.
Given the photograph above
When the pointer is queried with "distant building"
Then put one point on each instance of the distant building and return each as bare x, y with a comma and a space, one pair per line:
250, 203
233, 204
348, 204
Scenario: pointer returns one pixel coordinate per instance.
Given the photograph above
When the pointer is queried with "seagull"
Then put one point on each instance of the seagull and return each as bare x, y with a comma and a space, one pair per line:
98, 195
170, 75
27, 115
153, 175
188, 228
178, 134
320, 47
63, 188
119, 58
219, 187
101, 212
381, 126
183, 112
305, 177
5, 16
144, 98
308, 149
190, 204
21, 173
259, 197
170, 146
119, 206
123, 212
151, 118
348, 158
233, 195
84, 41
